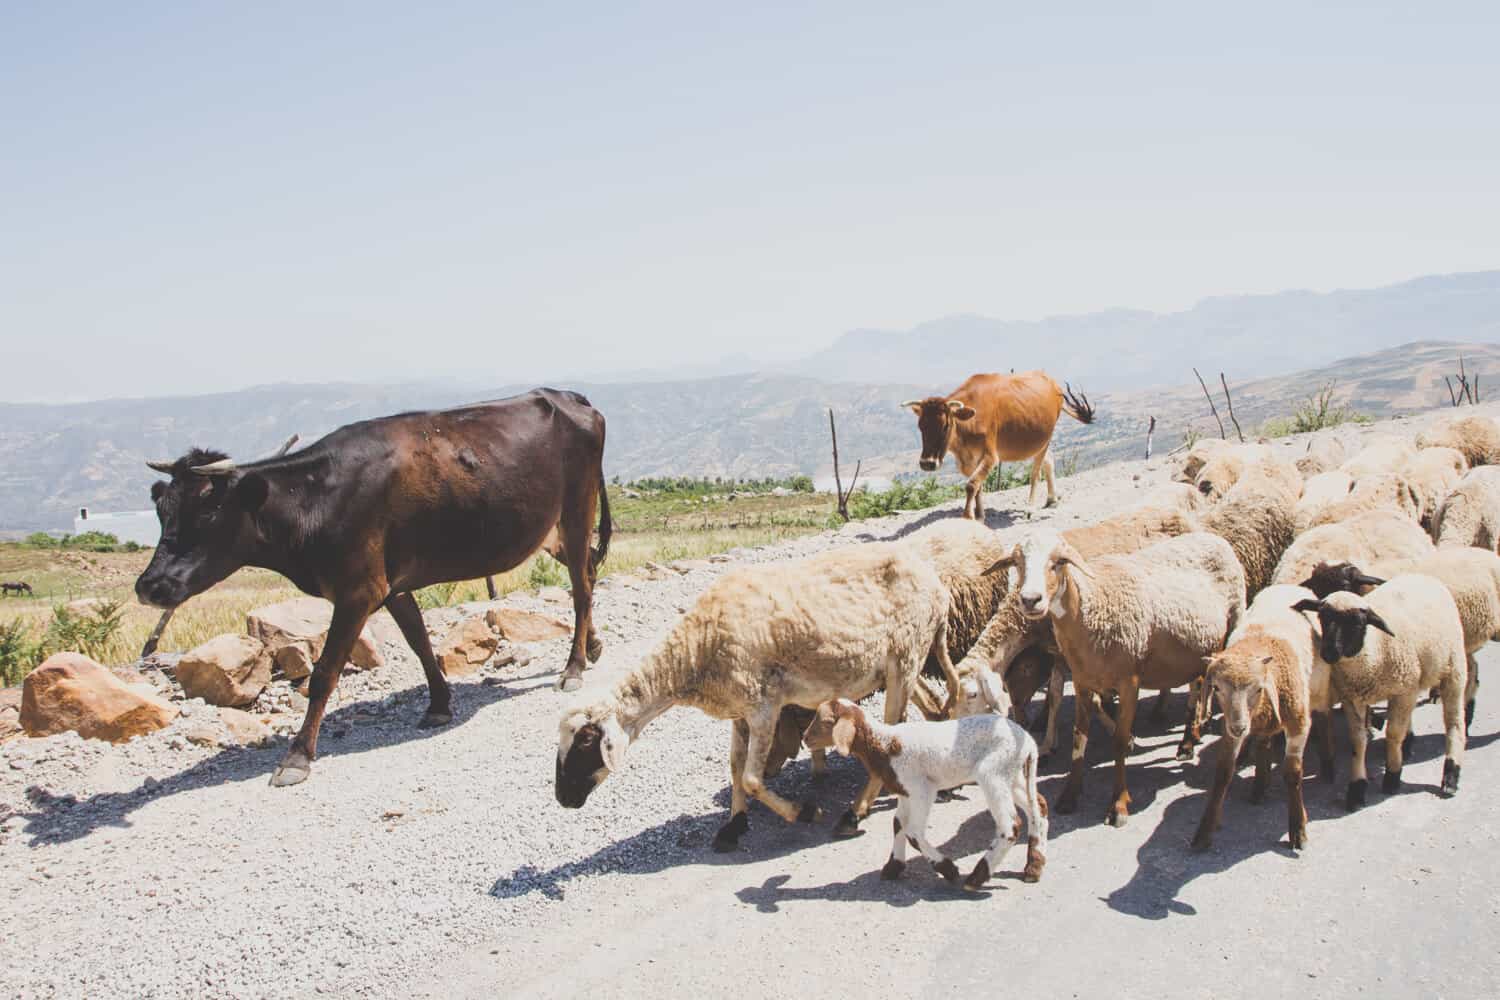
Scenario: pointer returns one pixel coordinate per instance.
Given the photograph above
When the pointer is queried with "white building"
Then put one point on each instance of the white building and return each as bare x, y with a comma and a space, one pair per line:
139, 526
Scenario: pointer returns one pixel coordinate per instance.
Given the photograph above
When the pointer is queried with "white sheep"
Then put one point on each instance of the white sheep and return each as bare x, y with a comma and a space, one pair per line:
1422, 647
1257, 518
1431, 475
1381, 453
1324, 453
1265, 681
919, 759
840, 624
1182, 497
1478, 437
1470, 515
1127, 622
1373, 491
1320, 492
1379, 534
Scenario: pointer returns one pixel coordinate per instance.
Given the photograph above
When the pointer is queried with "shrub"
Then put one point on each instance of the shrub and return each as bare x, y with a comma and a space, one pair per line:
439, 595
1315, 413
1002, 477
546, 572
90, 632
904, 494
19, 652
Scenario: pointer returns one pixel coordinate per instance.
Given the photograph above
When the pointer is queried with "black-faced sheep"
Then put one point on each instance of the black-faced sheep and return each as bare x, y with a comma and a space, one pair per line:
840, 624
1401, 640
919, 759
1127, 622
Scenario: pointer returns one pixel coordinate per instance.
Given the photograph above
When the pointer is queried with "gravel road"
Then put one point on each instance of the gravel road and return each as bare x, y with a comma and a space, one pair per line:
436, 862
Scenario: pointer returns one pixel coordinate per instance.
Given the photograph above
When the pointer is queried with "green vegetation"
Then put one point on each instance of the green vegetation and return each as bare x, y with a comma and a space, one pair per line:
904, 494
93, 631
19, 652
703, 486
88, 541
1315, 413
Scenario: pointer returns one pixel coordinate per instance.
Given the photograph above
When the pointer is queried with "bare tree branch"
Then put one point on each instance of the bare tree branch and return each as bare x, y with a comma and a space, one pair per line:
1150, 432
1211, 407
1225, 383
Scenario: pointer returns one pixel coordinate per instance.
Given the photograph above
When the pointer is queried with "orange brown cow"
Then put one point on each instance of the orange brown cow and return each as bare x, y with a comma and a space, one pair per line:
996, 418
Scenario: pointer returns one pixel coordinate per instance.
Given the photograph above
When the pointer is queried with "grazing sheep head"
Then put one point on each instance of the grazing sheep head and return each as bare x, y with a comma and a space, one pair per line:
588, 750
1037, 567
935, 419
834, 726
1331, 577
1344, 617
1239, 678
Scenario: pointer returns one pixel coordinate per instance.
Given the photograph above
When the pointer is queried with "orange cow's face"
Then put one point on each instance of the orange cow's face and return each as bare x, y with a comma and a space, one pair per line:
935, 420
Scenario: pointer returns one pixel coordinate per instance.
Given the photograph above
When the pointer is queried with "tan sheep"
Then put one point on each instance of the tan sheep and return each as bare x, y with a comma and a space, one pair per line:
1375, 491
1431, 475
1256, 518
1477, 437
1470, 515
1381, 453
1197, 456
1368, 538
837, 625
1225, 467
1319, 493
1324, 453
1126, 622
1182, 497
1263, 682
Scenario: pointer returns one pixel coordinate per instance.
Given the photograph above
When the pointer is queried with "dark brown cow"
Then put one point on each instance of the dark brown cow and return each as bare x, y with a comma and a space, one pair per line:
381, 508
992, 419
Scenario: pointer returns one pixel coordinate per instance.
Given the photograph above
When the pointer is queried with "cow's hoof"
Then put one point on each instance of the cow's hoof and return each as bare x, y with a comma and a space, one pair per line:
569, 682
847, 826
593, 649
1354, 798
949, 871
809, 813
978, 877
293, 770
1450, 777
1391, 783
1297, 839
728, 837
433, 720
892, 870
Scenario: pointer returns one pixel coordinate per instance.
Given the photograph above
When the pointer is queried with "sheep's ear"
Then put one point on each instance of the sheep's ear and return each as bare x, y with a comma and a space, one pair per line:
1308, 604
1068, 556
1365, 580
1371, 618
612, 745
1004, 562
843, 735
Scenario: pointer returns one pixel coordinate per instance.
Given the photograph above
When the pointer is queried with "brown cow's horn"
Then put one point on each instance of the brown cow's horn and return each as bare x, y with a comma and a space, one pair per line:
164, 467
956, 404
288, 446
910, 402
219, 468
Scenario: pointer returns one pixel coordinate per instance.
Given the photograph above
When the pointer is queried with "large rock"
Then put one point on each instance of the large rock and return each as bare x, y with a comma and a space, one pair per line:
72, 692
303, 622
525, 626
10, 712
467, 648
225, 670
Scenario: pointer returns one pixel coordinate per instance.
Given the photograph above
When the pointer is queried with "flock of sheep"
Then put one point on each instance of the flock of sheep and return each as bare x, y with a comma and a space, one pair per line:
1273, 590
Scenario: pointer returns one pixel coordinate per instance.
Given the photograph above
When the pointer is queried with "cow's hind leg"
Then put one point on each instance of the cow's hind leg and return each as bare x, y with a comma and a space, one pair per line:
403, 607
575, 533
349, 617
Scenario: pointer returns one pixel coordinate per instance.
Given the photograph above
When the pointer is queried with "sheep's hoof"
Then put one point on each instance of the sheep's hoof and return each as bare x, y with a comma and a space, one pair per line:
979, 876
1203, 839
593, 648
1297, 839
1468, 716
948, 870
1354, 798
1391, 783
893, 870
433, 720
570, 681
1406, 742
847, 826
728, 837
945, 795
1450, 777
1035, 862
809, 813
1117, 816
295, 767
1052, 502
1257, 794
1185, 750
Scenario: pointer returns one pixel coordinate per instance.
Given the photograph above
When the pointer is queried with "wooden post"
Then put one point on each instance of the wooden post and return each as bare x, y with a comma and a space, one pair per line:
1150, 431
489, 585
156, 633
1230, 403
838, 485
1211, 407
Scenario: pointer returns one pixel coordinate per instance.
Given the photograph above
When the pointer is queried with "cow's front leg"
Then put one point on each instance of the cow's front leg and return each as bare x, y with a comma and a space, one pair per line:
349, 616
403, 607
974, 503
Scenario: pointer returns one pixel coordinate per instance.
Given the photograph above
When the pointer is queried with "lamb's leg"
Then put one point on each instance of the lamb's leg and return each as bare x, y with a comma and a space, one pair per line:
1034, 807
1192, 730
1119, 810
1054, 707
1291, 773
758, 748
1354, 715
895, 712
1453, 727
1397, 727
1262, 768
1226, 754
1001, 801
819, 764
919, 802
896, 863
1082, 710
728, 837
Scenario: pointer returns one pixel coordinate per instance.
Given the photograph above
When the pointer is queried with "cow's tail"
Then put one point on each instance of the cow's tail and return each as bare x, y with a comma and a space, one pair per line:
606, 525
1077, 405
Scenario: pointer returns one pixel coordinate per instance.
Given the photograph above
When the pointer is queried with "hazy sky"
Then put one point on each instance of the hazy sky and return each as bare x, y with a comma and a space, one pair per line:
209, 195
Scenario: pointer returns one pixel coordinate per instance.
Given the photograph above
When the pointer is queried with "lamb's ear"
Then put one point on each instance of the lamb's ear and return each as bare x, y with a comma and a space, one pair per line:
1308, 604
1004, 562
1270, 692
1068, 556
1371, 618
843, 735
612, 745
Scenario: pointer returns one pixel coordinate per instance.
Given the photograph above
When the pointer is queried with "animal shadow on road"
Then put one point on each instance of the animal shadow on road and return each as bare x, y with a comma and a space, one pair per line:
995, 519
351, 729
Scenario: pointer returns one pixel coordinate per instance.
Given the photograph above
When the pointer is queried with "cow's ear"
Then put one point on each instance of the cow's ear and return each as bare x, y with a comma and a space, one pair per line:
963, 412
250, 492
158, 490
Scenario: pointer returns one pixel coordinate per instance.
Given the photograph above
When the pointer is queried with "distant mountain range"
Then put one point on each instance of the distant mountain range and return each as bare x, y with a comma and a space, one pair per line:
1274, 349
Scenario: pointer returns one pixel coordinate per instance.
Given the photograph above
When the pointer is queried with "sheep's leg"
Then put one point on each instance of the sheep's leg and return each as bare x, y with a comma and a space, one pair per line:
1083, 706
1291, 773
1359, 735
1001, 802
1471, 690
1322, 735
1119, 810
1262, 768
1226, 757
1033, 806
939, 652
758, 748
1054, 708
896, 863
1453, 727
1159, 709
1397, 730
728, 837
819, 764
895, 712
1192, 729
919, 803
